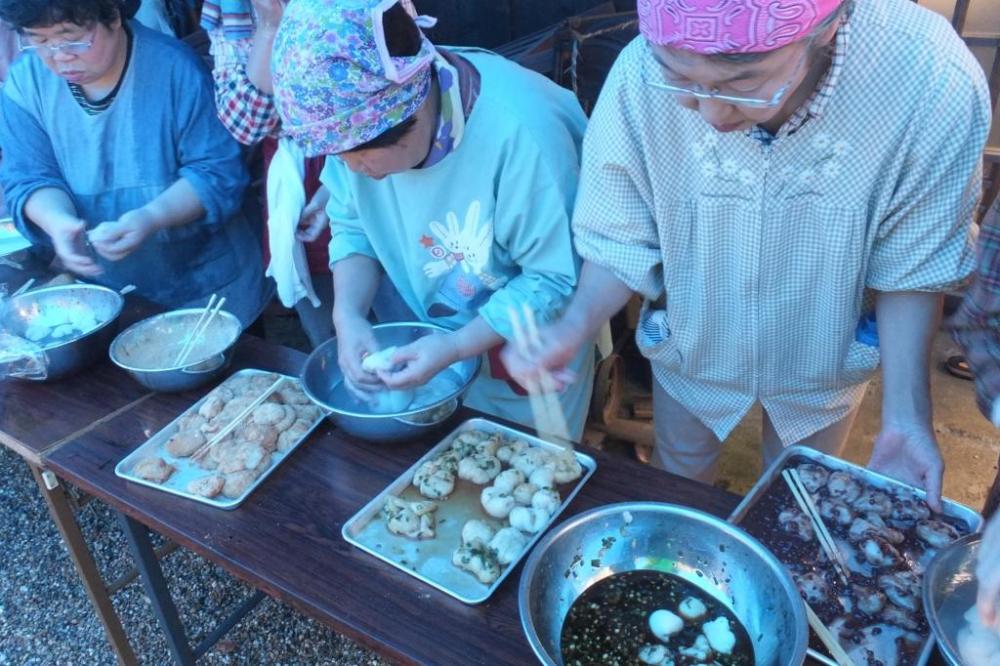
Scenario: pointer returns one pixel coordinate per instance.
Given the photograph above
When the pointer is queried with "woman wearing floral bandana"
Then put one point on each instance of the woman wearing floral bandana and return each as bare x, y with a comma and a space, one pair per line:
773, 177
456, 171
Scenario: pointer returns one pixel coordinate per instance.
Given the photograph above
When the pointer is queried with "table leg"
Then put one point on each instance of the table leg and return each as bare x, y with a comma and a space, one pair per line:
156, 587
61, 512
148, 565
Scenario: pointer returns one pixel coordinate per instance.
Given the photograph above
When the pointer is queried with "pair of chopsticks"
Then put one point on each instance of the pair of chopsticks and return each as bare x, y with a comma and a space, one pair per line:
204, 321
238, 419
550, 422
23, 288
823, 535
829, 546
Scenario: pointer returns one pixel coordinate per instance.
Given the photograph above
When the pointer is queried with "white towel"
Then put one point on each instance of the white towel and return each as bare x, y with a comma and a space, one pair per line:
286, 197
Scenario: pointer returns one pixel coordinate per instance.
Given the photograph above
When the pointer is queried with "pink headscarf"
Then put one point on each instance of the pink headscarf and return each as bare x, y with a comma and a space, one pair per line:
730, 26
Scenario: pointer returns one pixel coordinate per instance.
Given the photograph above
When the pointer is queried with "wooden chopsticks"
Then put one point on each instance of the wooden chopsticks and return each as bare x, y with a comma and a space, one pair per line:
204, 321
823, 535
550, 422
238, 419
829, 546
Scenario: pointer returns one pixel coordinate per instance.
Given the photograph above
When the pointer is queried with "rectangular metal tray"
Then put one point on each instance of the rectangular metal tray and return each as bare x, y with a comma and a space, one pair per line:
187, 470
972, 520
430, 560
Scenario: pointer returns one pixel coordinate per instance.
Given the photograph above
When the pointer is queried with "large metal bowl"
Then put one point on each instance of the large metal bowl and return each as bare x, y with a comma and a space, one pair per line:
717, 557
93, 308
949, 591
148, 349
322, 377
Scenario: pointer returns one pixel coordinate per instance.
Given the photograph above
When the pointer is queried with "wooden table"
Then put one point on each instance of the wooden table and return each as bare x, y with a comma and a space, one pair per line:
285, 538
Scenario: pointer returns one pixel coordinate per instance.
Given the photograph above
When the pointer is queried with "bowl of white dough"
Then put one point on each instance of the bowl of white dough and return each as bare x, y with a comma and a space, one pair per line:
71, 324
950, 588
387, 415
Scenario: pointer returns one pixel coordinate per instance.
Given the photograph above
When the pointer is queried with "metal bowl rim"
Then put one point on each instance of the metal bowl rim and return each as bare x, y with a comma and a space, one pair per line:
733, 531
118, 299
395, 415
930, 611
165, 315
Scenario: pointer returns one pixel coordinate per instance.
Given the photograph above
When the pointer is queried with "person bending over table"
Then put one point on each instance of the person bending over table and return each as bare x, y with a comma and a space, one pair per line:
976, 326
769, 187
114, 156
454, 168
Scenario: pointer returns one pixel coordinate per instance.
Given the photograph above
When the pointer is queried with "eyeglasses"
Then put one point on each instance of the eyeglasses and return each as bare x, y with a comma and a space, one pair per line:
71, 48
737, 100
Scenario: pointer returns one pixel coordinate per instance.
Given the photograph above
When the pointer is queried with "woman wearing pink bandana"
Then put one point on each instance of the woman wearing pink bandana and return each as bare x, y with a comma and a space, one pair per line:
773, 177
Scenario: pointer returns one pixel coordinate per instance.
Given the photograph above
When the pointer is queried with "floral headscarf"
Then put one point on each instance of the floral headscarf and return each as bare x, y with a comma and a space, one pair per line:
335, 84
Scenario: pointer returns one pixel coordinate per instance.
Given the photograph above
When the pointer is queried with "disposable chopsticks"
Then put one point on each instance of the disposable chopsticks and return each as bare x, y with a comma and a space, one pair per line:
828, 639
550, 422
219, 436
204, 321
823, 535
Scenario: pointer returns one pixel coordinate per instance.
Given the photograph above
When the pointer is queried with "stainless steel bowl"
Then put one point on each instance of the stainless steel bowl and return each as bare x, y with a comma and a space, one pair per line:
93, 308
322, 379
147, 350
717, 557
949, 591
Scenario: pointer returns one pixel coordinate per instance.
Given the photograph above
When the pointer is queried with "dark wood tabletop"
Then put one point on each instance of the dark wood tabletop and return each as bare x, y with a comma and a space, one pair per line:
285, 538
37, 416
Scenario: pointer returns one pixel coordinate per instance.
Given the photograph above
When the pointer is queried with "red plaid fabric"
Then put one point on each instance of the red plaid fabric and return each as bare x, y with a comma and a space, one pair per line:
976, 325
246, 112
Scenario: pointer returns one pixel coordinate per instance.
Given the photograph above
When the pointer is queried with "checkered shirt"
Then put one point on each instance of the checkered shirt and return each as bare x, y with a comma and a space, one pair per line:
248, 113
976, 324
757, 259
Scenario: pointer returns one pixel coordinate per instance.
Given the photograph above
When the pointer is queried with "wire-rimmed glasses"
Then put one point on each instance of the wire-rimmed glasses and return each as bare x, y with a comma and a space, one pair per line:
71, 48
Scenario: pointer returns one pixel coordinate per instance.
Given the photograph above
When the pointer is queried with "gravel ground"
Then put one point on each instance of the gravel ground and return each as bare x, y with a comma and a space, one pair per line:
46, 618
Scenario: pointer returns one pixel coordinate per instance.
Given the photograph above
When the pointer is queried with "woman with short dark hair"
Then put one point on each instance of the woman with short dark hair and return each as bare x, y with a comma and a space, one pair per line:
113, 155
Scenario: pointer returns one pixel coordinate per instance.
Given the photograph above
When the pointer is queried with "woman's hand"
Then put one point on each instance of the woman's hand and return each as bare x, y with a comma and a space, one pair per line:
314, 218
423, 359
69, 242
355, 340
116, 240
268, 13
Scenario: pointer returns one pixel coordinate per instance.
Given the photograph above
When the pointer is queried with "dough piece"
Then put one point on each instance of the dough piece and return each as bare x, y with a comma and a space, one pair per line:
288, 438
479, 561
508, 480
308, 412
268, 413
477, 531
567, 468
212, 406
489, 446
184, 443
206, 486
528, 460
414, 520
237, 483
379, 361
293, 395
153, 469
265, 435
261, 383
524, 492
433, 481
543, 477
496, 503
244, 456
529, 520
467, 443
223, 392
479, 469
548, 500
508, 544
191, 421
507, 450
287, 419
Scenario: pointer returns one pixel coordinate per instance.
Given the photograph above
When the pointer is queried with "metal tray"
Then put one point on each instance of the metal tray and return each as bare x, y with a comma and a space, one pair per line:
959, 512
187, 470
430, 560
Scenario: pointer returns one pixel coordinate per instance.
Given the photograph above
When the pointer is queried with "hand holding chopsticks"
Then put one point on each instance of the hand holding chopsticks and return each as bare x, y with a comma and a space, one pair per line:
204, 321
550, 422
